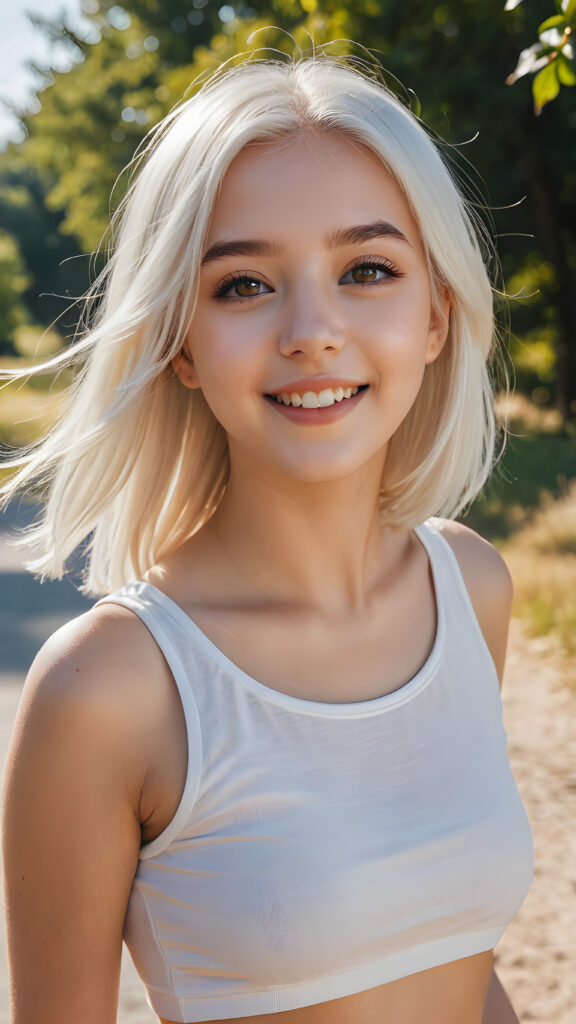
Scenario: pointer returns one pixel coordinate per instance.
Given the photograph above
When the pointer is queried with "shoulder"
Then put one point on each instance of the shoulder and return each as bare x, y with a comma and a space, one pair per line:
485, 572
97, 682
488, 582
102, 657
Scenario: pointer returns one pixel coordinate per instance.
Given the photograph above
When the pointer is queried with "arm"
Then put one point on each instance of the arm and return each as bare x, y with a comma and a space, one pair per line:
490, 587
71, 826
498, 1008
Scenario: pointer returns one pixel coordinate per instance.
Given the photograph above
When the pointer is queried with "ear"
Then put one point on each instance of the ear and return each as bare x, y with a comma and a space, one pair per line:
184, 369
439, 323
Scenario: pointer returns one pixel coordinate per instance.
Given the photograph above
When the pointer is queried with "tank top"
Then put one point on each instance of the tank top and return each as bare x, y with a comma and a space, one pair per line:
320, 849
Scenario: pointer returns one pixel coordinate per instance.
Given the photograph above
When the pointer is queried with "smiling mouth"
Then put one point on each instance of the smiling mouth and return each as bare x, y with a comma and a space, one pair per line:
317, 399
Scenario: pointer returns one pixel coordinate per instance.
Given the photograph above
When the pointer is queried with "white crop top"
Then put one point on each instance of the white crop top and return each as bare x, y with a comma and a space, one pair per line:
321, 849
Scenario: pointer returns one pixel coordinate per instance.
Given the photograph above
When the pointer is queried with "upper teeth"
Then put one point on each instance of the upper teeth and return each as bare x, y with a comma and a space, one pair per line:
313, 400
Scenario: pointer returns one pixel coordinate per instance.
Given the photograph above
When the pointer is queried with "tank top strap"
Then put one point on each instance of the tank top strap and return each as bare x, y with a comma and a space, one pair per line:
452, 594
140, 598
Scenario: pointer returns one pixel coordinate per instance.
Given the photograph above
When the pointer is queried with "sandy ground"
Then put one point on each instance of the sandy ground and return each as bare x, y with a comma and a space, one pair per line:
536, 959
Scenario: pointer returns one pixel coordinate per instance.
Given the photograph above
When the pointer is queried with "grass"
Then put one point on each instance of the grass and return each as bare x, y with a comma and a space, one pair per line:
542, 559
27, 407
539, 462
529, 511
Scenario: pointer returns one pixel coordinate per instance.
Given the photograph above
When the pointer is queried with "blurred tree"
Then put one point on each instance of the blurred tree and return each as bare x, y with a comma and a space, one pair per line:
454, 54
13, 281
56, 267
94, 116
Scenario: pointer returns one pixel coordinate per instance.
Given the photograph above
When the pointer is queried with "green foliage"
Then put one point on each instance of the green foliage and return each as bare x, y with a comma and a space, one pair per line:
81, 147
13, 282
94, 116
551, 59
54, 262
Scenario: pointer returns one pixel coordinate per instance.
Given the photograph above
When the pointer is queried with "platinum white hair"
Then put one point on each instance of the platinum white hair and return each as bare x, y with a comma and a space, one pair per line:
137, 463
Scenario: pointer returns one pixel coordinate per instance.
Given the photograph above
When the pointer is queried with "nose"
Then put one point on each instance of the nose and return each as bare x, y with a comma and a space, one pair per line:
311, 327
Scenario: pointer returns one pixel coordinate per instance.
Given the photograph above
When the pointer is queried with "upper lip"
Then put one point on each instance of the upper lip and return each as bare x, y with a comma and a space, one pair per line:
315, 384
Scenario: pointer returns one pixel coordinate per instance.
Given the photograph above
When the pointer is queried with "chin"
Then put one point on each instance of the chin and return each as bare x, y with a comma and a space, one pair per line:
309, 470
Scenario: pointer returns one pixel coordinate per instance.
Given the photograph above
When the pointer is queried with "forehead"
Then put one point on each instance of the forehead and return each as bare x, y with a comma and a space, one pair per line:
306, 183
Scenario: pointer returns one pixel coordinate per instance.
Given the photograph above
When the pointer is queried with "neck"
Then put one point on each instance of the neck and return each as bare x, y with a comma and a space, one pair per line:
315, 546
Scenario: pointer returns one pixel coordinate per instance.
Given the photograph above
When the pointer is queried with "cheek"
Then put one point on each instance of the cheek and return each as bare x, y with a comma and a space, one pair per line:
399, 345
216, 355
400, 322
220, 343
226, 370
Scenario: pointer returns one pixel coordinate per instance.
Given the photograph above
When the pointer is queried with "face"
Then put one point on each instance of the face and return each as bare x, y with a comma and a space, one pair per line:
314, 321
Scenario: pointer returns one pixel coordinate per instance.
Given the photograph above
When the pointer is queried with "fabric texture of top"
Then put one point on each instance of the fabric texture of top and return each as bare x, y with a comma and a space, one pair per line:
320, 849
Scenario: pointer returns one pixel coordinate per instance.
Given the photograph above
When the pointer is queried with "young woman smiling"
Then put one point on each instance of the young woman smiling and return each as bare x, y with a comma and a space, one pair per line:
272, 756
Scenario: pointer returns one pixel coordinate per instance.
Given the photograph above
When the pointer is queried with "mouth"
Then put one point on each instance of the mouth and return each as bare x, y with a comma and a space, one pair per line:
317, 408
322, 399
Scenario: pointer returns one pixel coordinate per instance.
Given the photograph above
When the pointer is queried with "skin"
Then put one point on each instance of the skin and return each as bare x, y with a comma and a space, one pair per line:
293, 578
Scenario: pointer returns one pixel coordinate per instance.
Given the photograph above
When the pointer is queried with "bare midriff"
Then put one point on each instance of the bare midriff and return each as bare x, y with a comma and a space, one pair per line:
453, 993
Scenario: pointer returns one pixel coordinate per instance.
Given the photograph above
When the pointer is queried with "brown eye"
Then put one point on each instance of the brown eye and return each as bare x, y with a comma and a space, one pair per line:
371, 271
361, 275
241, 286
245, 287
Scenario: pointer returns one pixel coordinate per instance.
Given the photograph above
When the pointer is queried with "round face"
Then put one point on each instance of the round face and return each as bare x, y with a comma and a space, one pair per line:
314, 321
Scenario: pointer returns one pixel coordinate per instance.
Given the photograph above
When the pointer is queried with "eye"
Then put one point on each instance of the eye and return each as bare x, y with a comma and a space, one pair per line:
240, 286
370, 271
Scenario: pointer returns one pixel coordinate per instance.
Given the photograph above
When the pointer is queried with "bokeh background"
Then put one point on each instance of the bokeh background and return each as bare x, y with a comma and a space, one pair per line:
103, 74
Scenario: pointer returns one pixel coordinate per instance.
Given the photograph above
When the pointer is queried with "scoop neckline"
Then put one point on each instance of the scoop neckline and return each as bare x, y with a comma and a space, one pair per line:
339, 709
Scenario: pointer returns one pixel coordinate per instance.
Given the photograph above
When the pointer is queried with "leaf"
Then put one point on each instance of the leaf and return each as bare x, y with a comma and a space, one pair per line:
566, 71
545, 86
554, 22
511, 4
570, 9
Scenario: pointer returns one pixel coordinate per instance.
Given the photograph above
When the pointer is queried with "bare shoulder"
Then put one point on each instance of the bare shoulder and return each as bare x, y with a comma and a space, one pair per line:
485, 572
488, 582
100, 655
101, 671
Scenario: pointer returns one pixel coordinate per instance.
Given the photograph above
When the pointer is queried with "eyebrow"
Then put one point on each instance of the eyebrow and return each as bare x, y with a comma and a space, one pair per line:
335, 240
364, 233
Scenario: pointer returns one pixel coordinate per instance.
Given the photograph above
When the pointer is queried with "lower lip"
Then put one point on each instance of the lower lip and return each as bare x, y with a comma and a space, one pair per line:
317, 417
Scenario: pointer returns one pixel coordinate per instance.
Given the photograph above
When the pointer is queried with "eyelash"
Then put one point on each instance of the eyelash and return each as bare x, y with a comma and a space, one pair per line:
373, 263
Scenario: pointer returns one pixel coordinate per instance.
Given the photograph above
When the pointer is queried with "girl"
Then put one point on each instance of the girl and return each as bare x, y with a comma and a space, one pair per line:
273, 756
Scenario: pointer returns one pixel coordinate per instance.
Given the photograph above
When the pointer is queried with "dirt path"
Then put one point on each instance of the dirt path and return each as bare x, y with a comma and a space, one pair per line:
536, 958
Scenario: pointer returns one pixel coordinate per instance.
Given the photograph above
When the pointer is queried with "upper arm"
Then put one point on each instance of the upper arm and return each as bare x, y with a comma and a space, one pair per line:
498, 1009
489, 584
71, 825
